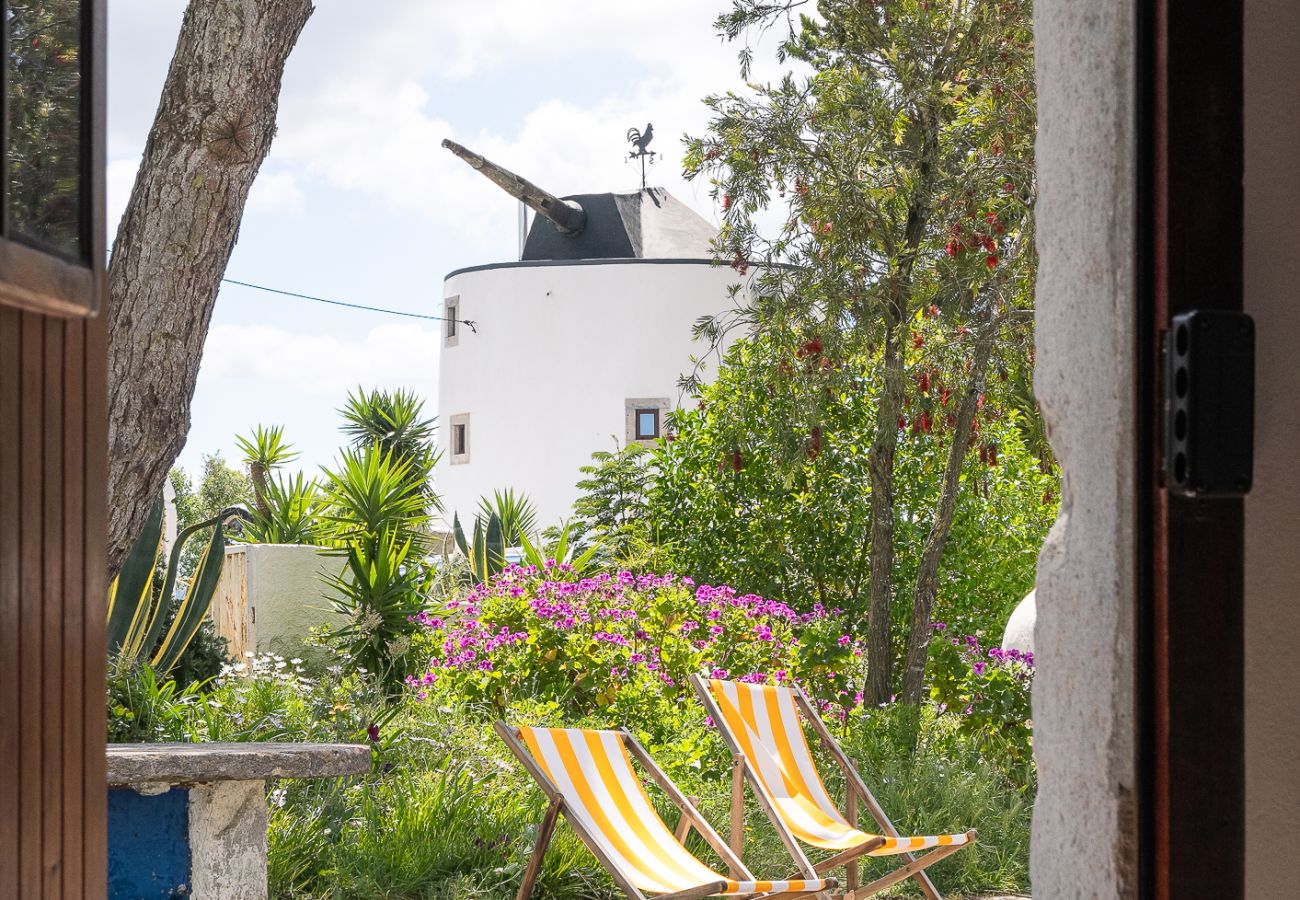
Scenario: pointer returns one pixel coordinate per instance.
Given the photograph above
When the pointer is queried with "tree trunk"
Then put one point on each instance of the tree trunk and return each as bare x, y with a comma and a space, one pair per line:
889, 406
880, 587
213, 128
927, 575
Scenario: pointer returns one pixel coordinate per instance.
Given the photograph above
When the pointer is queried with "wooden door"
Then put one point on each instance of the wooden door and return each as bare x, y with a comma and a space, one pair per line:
53, 440
53, 444
1191, 650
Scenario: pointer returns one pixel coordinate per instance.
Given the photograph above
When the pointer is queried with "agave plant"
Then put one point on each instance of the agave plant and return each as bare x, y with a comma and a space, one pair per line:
487, 555
137, 616
561, 550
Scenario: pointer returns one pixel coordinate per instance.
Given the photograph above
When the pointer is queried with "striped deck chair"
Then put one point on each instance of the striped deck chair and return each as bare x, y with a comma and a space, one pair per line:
588, 776
762, 728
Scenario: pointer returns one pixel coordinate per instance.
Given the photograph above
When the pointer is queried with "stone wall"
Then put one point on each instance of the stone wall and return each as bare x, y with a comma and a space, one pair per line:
1084, 833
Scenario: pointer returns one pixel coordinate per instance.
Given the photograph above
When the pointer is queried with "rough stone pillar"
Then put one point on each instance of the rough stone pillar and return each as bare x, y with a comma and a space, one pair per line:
1084, 832
228, 822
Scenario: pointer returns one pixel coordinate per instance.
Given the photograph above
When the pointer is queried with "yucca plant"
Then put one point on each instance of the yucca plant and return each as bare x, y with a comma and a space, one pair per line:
372, 493
293, 510
137, 616
517, 513
264, 452
379, 592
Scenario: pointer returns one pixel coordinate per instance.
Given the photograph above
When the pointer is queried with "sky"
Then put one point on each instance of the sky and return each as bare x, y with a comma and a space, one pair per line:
358, 202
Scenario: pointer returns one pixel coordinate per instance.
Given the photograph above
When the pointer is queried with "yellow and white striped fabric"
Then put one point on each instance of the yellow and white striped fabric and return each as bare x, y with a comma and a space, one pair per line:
603, 795
764, 720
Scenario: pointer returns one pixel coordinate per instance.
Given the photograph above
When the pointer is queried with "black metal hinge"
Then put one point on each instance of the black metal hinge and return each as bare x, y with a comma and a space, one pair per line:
1209, 403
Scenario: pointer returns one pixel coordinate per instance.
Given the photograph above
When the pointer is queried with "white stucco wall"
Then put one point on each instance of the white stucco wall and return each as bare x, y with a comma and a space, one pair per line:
1084, 842
271, 594
559, 350
1272, 291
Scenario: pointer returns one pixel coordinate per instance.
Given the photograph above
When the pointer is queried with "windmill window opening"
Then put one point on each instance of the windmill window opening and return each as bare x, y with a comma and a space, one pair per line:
647, 424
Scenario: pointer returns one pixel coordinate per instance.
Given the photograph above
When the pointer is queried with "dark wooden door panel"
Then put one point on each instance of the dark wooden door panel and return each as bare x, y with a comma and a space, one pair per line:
52, 507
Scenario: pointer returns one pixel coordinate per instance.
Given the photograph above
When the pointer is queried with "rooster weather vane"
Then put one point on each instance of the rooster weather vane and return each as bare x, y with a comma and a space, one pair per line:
640, 140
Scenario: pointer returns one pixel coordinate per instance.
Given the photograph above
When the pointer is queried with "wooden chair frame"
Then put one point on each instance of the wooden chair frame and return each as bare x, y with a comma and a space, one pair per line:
856, 789
690, 818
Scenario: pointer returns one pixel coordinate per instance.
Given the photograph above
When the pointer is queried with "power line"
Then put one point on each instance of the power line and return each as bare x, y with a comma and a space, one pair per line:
392, 312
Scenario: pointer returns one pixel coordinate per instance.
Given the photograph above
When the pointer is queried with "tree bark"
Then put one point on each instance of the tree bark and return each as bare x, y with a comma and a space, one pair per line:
213, 128
927, 575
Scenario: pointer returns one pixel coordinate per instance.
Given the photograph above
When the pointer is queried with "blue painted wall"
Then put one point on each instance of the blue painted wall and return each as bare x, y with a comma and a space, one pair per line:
148, 845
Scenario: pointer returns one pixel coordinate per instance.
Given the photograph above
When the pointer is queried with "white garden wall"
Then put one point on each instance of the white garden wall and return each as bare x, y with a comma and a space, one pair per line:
271, 595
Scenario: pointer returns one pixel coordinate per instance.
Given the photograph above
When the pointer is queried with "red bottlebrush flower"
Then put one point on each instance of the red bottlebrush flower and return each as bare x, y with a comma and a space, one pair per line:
917, 340
984, 454
1007, 187
923, 382
809, 348
828, 227
979, 402
993, 454
902, 423
934, 311
952, 248
992, 261
990, 217
999, 228
945, 395
1047, 497
815, 442
962, 329
737, 462
726, 201
926, 422
373, 732
950, 420
975, 427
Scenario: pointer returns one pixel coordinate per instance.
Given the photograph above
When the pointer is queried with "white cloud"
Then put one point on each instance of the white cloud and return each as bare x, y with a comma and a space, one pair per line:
278, 361
275, 192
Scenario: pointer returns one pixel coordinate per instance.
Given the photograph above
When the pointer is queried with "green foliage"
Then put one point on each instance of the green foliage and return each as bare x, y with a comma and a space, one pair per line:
446, 812
611, 507
990, 689
516, 513
291, 512
137, 615
371, 493
562, 551
486, 556
394, 421
379, 592
757, 493
220, 487
378, 513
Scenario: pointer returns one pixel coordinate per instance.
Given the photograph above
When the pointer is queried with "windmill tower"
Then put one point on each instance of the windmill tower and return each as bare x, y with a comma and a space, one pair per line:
576, 346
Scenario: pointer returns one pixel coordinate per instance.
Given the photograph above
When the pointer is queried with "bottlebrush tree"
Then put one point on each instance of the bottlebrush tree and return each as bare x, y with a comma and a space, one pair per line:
896, 157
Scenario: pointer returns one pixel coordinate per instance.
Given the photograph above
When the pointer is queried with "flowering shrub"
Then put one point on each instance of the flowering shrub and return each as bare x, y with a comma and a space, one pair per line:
588, 643
988, 687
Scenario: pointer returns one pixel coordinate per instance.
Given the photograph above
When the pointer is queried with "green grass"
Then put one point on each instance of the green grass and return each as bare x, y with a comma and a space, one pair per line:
446, 814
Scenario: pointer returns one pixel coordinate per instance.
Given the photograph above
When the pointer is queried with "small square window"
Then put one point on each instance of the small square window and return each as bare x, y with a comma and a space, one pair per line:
459, 442
451, 322
645, 418
647, 424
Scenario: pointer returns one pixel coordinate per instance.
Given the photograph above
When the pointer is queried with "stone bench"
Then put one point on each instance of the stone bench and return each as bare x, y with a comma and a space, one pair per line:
190, 820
